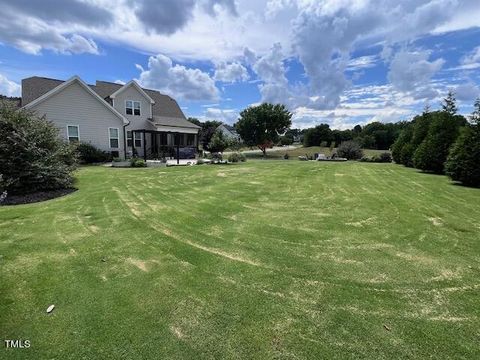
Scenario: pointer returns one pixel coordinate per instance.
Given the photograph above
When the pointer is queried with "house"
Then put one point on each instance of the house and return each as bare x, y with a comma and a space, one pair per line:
229, 132
125, 120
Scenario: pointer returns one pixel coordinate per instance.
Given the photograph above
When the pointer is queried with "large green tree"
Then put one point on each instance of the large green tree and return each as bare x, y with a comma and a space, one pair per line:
262, 125
315, 136
463, 162
442, 133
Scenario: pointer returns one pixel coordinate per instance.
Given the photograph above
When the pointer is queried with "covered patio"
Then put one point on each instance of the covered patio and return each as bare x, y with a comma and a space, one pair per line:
167, 138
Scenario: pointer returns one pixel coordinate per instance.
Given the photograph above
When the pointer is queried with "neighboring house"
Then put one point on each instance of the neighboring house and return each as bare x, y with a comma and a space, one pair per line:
124, 120
229, 132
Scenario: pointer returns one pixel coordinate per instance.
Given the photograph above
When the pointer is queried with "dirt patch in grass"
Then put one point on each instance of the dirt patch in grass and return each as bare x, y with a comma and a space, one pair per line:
36, 197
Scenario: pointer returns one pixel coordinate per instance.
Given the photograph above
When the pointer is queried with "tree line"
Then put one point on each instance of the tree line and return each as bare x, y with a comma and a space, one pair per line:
442, 142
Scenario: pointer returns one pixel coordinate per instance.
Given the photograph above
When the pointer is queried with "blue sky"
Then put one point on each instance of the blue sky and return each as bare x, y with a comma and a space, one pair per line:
340, 62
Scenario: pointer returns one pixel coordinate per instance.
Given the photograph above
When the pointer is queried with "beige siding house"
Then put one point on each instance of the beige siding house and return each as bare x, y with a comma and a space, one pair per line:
125, 120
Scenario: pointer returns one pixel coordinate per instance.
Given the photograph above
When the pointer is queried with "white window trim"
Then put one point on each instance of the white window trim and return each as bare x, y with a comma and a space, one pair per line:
133, 107
117, 138
141, 139
78, 132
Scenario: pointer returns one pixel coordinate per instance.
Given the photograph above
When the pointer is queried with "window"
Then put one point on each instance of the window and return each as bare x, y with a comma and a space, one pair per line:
190, 140
138, 139
132, 107
113, 135
129, 138
73, 133
136, 108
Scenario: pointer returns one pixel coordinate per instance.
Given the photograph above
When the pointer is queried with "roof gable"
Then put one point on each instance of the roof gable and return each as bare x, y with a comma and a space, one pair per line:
137, 87
87, 88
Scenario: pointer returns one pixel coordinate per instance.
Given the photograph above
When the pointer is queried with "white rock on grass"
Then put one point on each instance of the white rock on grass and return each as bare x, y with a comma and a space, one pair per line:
50, 309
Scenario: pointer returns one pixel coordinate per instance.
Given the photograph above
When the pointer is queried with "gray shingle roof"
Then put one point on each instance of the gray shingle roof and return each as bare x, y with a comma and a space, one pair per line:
164, 107
173, 121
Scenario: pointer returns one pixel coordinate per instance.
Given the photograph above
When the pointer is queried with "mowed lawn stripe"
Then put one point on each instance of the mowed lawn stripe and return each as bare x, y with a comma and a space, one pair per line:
264, 259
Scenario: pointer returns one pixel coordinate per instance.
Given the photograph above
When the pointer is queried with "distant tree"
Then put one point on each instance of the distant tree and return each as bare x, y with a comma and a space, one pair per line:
218, 143
206, 132
195, 121
350, 150
403, 139
463, 162
340, 136
262, 125
449, 104
286, 139
315, 136
357, 129
442, 133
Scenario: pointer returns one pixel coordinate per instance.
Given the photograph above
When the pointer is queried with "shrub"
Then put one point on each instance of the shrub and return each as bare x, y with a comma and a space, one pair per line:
463, 162
32, 155
384, 157
89, 154
236, 157
286, 140
137, 163
286, 156
350, 150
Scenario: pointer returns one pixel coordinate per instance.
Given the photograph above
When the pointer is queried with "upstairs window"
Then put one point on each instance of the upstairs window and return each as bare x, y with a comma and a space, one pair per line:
113, 135
132, 107
73, 134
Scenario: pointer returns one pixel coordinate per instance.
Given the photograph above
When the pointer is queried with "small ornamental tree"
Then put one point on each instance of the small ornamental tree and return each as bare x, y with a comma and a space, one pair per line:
463, 162
262, 125
32, 156
218, 143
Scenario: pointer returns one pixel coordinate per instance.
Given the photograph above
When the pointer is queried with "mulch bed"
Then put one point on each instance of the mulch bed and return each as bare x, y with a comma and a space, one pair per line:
36, 197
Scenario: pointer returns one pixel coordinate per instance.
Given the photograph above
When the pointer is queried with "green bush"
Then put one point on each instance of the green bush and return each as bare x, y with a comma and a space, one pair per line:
89, 154
32, 155
236, 157
137, 163
463, 162
350, 150
382, 158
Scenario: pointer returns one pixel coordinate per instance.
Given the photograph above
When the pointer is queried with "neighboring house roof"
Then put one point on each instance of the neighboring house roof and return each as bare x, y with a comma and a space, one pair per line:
136, 86
165, 106
229, 128
63, 85
173, 122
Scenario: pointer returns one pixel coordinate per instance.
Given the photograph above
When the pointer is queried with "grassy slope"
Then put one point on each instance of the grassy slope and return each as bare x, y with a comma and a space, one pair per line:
264, 259
300, 151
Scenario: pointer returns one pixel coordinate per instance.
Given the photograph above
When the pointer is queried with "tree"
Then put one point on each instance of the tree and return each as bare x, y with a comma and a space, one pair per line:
350, 150
442, 133
317, 135
449, 104
262, 125
463, 162
32, 155
206, 132
218, 142
403, 139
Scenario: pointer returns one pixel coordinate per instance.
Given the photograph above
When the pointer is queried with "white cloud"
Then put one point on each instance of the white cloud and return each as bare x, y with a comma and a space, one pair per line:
228, 116
467, 92
177, 80
230, 73
8, 87
412, 71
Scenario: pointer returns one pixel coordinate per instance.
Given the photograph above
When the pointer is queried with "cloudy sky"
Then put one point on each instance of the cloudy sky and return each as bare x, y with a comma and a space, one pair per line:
340, 62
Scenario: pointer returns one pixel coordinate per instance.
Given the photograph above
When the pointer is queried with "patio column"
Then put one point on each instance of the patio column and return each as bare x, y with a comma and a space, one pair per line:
144, 146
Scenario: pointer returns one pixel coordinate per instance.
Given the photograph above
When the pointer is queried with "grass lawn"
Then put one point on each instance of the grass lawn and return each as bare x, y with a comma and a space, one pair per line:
264, 260
300, 151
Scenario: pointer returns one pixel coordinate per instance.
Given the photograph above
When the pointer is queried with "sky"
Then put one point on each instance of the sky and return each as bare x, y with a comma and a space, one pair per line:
340, 62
